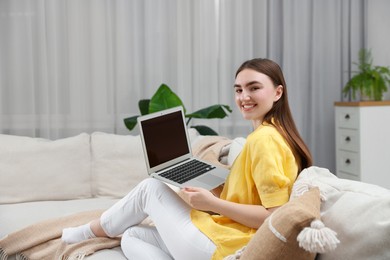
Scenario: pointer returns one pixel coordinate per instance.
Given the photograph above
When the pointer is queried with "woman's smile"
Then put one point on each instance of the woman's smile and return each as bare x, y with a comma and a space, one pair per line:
248, 107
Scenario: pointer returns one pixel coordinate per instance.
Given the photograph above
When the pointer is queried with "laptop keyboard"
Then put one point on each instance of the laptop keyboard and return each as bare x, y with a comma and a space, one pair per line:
187, 171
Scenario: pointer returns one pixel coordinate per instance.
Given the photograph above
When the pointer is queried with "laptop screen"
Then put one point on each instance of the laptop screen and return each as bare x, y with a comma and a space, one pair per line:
165, 138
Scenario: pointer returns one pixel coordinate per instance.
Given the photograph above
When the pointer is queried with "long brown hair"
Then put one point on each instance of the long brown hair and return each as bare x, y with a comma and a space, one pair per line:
280, 114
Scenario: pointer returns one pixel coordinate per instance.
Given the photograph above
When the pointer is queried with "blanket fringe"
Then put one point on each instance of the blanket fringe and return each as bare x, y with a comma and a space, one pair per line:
20, 256
79, 256
3, 254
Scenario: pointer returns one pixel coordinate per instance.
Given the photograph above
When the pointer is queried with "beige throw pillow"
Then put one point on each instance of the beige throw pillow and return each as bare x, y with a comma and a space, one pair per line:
277, 237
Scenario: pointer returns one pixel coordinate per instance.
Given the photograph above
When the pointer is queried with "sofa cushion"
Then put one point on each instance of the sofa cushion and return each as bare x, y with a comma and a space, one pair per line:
33, 169
277, 237
13, 218
118, 164
359, 213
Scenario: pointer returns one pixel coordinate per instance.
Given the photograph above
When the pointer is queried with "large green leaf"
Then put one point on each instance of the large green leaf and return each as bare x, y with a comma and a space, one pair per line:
215, 111
204, 130
143, 106
130, 122
164, 98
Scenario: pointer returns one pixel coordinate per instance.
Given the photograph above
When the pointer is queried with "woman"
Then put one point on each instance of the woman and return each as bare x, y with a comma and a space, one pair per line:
259, 182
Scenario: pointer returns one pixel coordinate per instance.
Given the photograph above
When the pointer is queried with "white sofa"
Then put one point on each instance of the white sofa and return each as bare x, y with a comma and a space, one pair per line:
43, 179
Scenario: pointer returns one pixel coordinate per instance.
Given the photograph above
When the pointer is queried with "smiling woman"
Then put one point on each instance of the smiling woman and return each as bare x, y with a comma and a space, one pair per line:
261, 95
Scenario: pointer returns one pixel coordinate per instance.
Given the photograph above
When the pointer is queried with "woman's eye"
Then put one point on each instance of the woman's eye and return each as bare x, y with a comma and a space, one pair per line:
255, 88
238, 90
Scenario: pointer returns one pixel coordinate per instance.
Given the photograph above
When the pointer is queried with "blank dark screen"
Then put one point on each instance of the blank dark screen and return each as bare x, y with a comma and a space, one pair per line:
165, 138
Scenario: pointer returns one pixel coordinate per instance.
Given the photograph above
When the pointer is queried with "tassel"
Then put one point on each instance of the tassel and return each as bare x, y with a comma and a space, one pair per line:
299, 188
3, 254
317, 238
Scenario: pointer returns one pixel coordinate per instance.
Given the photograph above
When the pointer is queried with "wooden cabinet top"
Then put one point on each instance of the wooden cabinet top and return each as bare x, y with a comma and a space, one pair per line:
363, 103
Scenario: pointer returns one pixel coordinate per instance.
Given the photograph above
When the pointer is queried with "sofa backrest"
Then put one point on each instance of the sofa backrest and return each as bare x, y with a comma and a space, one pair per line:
78, 167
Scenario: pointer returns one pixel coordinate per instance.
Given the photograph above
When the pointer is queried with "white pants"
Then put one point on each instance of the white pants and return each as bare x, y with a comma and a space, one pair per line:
174, 235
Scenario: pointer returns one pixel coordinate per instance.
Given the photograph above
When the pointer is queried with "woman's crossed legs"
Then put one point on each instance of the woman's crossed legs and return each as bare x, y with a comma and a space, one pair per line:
174, 235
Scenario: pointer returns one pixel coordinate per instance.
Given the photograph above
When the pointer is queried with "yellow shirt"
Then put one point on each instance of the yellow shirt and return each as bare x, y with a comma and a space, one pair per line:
263, 174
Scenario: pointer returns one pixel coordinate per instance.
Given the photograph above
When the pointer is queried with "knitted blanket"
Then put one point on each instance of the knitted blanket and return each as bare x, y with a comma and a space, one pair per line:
43, 240
213, 149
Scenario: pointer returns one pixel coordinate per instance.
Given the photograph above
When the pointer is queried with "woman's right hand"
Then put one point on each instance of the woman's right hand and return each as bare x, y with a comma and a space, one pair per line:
198, 198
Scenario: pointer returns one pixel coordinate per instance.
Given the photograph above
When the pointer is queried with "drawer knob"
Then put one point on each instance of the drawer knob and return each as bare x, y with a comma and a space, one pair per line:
347, 116
347, 139
348, 161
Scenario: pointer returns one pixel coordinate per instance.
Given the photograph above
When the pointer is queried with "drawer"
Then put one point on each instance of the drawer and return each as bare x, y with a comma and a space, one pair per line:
347, 139
344, 175
347, 117
348, 162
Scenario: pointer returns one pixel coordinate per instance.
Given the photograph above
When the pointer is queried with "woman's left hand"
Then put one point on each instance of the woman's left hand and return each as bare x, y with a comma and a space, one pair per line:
198, 198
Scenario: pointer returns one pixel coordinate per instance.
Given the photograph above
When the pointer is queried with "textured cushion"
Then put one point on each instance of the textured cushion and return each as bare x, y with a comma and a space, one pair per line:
359, 213
34, 169
277, 237
118, 164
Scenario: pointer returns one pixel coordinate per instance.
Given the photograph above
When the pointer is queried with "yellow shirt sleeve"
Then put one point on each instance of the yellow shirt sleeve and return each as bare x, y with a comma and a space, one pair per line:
273, 168
264, 172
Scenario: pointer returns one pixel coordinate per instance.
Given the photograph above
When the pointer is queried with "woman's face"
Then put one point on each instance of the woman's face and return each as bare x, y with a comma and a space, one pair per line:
255, 95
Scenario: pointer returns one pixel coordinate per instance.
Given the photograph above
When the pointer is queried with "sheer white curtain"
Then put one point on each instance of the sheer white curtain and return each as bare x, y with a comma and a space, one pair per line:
74, 66
81, 66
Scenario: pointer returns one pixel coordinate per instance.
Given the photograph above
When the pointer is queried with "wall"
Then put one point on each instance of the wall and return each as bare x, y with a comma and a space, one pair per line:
377, 36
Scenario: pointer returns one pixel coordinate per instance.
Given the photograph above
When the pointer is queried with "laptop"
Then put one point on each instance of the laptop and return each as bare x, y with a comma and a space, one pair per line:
168, 153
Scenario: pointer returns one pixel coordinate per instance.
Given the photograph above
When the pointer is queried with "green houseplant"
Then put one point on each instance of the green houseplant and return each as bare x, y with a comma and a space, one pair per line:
369, 81
165, 98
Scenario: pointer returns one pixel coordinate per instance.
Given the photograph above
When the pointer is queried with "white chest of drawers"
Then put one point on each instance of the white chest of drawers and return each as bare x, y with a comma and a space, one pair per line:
363, 141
